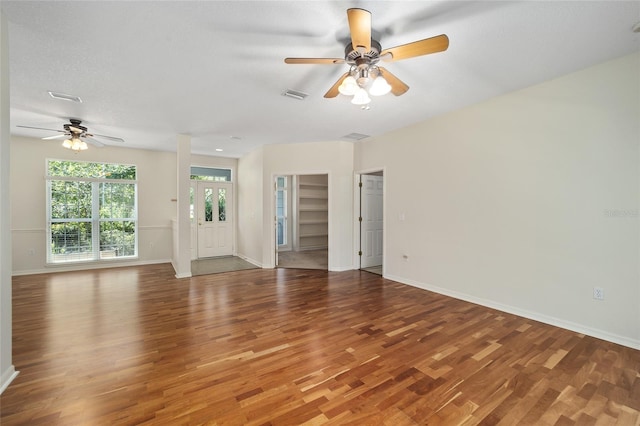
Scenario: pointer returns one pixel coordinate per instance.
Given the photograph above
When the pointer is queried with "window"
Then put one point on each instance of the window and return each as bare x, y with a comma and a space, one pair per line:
281, 210
92, 211
212, 174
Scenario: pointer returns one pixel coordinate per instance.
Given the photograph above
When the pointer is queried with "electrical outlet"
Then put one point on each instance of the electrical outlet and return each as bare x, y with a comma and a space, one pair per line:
598, 293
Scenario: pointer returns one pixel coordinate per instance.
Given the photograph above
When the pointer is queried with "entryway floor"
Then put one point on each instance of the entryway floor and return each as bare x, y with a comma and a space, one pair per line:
374, 269
216, 265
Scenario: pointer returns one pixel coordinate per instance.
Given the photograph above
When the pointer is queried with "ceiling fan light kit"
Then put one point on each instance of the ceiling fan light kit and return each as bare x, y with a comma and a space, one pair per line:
365, 77
75, 144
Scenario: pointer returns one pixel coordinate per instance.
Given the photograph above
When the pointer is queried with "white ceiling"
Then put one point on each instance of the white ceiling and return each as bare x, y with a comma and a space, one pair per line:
147, 71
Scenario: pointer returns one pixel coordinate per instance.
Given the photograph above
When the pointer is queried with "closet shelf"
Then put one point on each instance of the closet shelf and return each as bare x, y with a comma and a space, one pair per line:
313, 209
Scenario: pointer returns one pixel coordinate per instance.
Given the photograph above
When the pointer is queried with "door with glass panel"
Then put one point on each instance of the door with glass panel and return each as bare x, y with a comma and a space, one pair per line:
215, 219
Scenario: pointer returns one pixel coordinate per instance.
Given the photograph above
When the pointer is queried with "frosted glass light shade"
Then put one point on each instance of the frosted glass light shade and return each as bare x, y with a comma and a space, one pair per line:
379, 87
349, 86
361, 97
75, 144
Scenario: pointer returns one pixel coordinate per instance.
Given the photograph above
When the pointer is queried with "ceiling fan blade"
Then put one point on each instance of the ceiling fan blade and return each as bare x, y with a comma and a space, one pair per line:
398, 87
42, 128
92, 141
329, 61
48, 138
111, 138
360, 27
333, 92
417, 48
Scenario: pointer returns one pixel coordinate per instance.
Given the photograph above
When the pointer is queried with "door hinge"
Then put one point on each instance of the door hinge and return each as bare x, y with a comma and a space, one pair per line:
360, 184
360, 253
360, 219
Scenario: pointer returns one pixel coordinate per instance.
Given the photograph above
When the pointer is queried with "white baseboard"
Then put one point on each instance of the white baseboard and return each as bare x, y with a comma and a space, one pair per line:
7, 377
250, 260
341, 268
557, 322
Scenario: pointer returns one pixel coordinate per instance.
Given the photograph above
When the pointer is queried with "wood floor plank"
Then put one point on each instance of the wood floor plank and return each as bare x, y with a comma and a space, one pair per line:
267, 347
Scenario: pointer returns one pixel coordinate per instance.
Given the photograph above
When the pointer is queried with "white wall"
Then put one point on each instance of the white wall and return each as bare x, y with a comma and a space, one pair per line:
156, 189
7, 371
332, 158
524, 202
256, 172
250, 233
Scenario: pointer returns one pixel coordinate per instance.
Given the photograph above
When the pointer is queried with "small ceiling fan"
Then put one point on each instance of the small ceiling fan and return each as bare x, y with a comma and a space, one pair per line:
363, 55
76, 135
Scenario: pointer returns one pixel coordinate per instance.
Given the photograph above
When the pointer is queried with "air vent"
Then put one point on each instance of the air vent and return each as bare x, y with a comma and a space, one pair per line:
295, 94
65, 97
355, 136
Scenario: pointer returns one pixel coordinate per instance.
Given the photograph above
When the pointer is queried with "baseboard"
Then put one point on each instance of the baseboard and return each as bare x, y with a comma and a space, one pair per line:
180, 276
7, 377
86, 266
341, 268
557, 322
250, 260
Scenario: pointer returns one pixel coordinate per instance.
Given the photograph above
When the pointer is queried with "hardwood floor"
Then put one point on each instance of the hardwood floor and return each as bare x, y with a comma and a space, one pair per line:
285, 346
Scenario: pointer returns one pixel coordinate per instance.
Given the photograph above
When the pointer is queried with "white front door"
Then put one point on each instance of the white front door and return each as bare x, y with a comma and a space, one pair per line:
215, 219
371, 197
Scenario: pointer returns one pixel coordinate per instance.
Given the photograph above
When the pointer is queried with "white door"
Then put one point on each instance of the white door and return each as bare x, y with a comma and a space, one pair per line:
371, 196
215, 219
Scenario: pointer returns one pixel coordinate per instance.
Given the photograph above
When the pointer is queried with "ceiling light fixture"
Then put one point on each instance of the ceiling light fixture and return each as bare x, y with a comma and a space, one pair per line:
75, 144
364, 80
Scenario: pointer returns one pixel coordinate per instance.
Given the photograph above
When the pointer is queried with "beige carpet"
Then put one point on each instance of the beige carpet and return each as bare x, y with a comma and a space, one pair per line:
307, 259
216, 265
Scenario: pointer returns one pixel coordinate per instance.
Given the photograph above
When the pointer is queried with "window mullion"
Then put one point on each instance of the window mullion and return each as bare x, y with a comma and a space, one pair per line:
95, 219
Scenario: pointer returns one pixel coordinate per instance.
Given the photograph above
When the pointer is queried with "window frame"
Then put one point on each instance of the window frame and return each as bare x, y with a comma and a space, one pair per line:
94, 220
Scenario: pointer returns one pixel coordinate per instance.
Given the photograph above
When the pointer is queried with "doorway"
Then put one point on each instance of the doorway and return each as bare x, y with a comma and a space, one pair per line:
212, 219
302, 221
371, 220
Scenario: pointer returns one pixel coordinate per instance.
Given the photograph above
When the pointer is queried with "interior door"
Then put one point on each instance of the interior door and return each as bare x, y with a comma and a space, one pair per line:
371, 197
215, 219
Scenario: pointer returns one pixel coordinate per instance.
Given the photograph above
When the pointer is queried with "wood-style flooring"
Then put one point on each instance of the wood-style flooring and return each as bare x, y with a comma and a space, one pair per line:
131, 346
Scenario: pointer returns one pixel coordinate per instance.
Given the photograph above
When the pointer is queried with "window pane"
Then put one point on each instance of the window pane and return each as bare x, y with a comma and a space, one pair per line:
91, 170
222, 204
208, 205
117, 239
71, 241
117, 200
70, 200
282, 231
192, 206
210, 173
281, 181
281, 205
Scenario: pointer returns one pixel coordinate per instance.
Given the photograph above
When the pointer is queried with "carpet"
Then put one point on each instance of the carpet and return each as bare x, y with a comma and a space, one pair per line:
216, 265
308, 259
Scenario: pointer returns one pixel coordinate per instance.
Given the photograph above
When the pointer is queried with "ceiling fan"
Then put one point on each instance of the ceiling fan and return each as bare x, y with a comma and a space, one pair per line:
76, 135
363, 55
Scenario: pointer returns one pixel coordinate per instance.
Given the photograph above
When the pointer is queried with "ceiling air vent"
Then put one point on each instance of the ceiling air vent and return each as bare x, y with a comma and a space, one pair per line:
65, 97
355, 136
295, 94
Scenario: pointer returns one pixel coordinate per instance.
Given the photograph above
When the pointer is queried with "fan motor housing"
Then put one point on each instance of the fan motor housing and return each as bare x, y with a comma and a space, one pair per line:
355, 57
